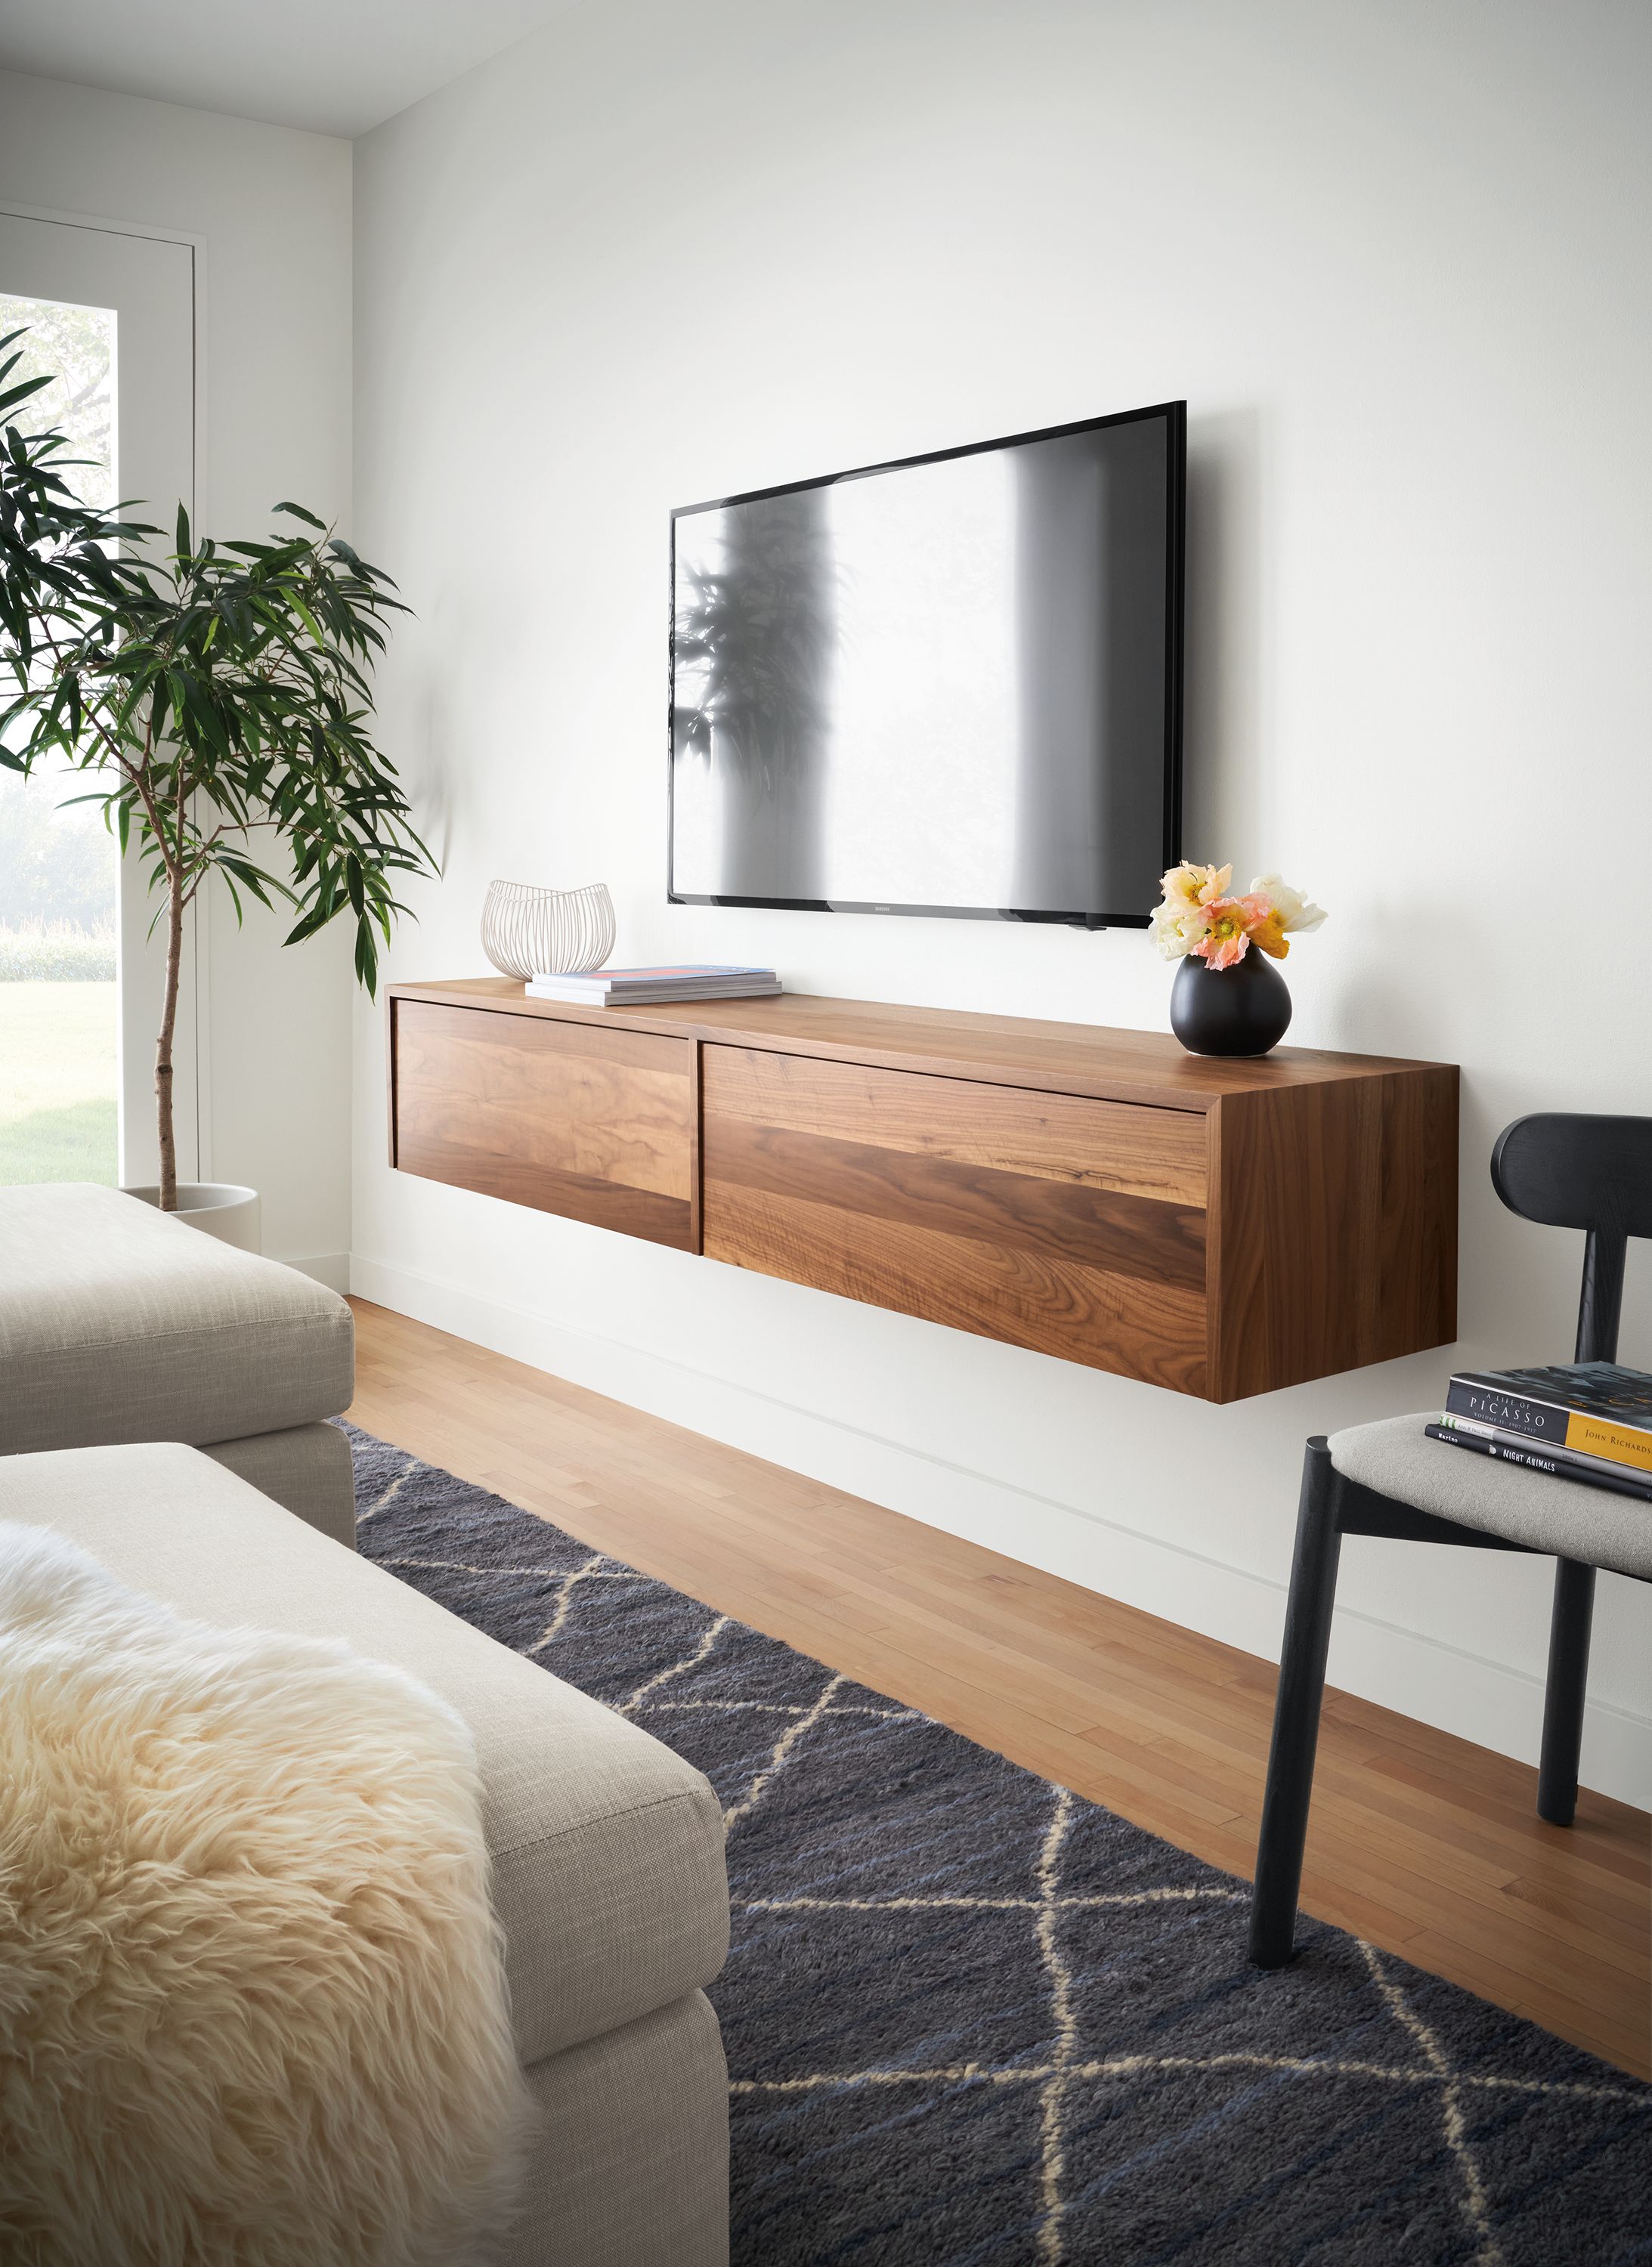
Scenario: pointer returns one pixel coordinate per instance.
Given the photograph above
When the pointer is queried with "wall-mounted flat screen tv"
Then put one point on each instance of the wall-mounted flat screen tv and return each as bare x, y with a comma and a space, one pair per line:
949, 686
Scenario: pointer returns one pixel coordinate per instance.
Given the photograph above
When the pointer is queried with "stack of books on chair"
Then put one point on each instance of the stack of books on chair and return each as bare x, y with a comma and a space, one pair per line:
1578, 1421
621, 987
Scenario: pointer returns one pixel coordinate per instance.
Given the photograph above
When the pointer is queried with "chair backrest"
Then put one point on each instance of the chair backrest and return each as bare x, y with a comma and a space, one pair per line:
1572, 1171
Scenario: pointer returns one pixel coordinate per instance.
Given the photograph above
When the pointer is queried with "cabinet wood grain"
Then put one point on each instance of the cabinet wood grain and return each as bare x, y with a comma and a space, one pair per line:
1053, 1254
1019, 1051
1224, 1228
1163, 1154
1335, 1238
596, 1123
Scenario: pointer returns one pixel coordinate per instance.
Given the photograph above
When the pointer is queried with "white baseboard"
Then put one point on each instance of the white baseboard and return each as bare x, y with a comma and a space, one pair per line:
332, 1268
1480, 1699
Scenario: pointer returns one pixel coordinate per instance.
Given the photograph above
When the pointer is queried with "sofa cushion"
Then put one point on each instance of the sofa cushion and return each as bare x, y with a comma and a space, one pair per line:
606, 1849
306, 1468
117, 1323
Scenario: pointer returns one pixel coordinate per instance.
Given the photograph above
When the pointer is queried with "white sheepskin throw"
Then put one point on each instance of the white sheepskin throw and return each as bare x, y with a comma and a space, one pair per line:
252, 2005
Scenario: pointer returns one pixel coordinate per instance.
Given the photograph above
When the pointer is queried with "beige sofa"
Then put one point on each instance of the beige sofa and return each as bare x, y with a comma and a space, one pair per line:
117, 1323
606, 1849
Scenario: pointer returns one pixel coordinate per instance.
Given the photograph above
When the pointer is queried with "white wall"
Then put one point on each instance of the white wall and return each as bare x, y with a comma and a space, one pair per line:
1395, 256
269, 210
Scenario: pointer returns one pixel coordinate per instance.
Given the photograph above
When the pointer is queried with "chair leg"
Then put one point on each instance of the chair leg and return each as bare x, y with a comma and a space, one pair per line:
1302, 1675
1569, 1681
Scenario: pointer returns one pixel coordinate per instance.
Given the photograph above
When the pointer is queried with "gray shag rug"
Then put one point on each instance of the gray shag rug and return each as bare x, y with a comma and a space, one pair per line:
970, 2017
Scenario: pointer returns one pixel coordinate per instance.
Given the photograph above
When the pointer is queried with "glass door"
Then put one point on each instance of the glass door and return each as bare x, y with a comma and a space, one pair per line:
60, 1042
110, 318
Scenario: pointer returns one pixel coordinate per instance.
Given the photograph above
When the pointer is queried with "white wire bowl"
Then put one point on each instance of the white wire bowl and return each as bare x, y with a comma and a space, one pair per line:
529, 932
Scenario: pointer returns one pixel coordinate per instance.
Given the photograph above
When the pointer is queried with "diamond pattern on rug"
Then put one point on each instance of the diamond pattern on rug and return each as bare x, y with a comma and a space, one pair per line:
973, 2018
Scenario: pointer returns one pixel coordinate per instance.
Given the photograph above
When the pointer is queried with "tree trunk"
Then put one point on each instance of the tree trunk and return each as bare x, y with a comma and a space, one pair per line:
163, 1046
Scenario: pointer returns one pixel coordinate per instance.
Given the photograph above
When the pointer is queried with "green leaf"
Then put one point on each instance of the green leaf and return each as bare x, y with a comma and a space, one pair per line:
306, 618
15, 393
233, 680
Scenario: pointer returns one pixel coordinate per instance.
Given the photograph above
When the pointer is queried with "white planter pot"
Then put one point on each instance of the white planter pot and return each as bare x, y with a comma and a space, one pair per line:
219, 1208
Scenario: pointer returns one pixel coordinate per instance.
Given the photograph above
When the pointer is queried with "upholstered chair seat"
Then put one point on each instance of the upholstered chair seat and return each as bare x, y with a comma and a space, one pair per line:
1566, 1519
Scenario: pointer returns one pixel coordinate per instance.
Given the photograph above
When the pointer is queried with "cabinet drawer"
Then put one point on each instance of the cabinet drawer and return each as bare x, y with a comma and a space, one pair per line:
1074, 1227
575, 1119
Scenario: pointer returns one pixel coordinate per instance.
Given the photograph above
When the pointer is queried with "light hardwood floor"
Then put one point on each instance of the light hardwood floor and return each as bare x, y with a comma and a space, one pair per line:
1427, 1846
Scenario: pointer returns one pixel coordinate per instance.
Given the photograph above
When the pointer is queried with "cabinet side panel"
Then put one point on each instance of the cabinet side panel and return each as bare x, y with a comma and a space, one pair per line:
1337, 1236
1416, 1295
392, 1009
1283, 1308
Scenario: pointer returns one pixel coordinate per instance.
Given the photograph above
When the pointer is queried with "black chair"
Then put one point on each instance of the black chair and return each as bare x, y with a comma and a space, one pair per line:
1390, 1478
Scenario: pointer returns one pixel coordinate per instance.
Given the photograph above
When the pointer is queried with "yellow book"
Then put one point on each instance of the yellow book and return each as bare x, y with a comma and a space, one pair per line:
1618, 1444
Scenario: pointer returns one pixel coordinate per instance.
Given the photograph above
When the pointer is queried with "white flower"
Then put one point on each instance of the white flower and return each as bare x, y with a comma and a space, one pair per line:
1176, 928
1294, 910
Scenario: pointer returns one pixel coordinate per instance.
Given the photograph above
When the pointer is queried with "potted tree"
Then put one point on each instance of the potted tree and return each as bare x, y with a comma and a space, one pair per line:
220, 692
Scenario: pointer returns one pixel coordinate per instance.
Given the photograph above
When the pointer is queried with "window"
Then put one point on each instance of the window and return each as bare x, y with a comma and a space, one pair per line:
59, 868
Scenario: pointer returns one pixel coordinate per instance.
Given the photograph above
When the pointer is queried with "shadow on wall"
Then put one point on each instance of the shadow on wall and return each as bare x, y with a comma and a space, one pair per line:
1518, 1284
1223, 752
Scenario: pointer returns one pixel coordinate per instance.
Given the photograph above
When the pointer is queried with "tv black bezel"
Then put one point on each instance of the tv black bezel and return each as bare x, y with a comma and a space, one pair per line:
1175, 414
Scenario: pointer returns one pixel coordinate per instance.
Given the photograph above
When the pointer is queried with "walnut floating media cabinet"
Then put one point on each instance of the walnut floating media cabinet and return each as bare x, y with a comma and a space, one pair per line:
1218, 1227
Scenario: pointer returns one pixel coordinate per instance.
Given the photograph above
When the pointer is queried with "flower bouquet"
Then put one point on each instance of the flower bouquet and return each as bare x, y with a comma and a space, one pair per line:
1211, 932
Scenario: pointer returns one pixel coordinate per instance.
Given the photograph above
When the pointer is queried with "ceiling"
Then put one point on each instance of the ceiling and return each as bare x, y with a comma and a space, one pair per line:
334, 66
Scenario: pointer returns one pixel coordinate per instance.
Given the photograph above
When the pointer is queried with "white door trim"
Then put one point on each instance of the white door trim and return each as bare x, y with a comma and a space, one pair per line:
196, 1118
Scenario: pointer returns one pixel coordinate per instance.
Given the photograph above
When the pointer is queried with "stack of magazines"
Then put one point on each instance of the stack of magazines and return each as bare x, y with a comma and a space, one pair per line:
618, 987
1579, 1420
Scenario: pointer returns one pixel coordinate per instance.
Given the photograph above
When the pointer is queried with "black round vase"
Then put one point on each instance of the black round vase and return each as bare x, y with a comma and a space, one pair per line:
1241, 1011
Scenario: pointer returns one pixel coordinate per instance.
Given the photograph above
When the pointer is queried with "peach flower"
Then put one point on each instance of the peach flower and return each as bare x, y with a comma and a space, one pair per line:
1197, 916
1188, 886
1189, 890
1227, 932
